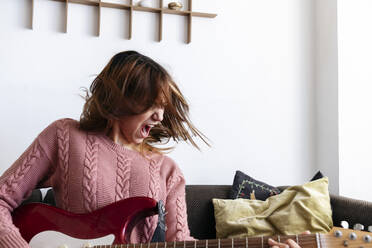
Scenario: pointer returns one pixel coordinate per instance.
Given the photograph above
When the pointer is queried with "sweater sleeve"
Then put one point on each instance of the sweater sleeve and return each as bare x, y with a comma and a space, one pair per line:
176, 218
19, 180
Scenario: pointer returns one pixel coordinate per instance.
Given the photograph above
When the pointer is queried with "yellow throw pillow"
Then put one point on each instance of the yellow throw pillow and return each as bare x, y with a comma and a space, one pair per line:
295, 210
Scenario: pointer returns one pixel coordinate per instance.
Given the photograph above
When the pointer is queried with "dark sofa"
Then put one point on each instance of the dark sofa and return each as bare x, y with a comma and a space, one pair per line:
201, 213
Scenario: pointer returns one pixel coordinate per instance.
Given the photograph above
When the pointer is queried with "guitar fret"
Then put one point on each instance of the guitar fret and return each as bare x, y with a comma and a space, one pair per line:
156, 245
148, 245
262, 241
232, 243
195, 244
317, 240
279, 238
184, 244
219, 243
174, 246
165, 245
206, 243
297, 239
246, 242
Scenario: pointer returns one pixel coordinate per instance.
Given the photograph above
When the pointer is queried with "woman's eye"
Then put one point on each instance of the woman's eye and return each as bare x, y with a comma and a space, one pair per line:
160, 105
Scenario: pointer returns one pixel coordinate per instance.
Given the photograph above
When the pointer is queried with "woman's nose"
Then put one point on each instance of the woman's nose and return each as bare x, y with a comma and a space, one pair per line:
158, 114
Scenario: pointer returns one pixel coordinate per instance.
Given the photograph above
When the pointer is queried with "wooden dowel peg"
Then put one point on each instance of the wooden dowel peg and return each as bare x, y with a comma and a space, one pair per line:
99, 18
130, 23
189, 26
160, 25
160, 20
66, 15
32, 14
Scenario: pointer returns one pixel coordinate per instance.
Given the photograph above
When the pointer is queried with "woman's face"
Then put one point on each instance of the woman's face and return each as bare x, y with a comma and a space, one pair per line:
134, 129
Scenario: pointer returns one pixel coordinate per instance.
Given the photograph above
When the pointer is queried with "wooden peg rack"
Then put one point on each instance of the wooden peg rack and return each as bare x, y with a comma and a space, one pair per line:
160, 11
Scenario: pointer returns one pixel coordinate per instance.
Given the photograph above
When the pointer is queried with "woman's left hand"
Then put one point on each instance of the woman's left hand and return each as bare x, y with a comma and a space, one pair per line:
289, 243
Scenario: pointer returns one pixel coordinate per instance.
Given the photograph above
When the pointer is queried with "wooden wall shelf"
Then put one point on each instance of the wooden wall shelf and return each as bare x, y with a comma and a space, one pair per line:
130, 7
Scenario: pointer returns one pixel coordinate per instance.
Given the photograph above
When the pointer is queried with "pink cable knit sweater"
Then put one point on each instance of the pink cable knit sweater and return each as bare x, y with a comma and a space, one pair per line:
88, 171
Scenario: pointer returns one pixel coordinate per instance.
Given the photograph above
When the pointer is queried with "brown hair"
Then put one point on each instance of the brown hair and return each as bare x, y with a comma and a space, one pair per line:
130, 84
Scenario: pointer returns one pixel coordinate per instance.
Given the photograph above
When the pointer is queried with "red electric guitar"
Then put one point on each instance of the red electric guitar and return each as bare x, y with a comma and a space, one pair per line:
44, 226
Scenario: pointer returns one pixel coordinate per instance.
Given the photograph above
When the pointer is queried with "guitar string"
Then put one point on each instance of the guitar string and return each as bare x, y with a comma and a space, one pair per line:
306, 239
261, 243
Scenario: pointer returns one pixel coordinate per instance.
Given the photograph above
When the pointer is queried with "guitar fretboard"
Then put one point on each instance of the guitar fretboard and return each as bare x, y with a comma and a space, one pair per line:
305, 241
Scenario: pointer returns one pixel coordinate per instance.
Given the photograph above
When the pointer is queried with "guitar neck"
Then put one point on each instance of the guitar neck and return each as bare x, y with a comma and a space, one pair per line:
305, 241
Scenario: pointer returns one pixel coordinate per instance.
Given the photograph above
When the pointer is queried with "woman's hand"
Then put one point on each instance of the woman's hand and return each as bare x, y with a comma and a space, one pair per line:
289, 243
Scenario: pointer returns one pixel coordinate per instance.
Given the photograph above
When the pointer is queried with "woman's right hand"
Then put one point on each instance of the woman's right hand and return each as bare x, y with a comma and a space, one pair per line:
289, 243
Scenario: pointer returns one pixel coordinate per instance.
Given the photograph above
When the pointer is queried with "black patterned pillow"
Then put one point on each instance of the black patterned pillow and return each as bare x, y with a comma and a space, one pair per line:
317, 176
247, 187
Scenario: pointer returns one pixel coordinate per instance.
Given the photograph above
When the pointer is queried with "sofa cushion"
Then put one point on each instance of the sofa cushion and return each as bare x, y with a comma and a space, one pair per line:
317, 176
296, 209
247, 187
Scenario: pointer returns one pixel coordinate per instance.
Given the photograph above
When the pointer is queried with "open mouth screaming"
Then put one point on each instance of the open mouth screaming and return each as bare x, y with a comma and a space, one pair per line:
146, 130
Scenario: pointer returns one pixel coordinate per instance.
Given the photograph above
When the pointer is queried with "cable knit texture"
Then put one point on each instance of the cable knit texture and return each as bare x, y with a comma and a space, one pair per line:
13, 180
63, 155
154, 189
181, 218
122, 177
88, 171
174, 181
90, 174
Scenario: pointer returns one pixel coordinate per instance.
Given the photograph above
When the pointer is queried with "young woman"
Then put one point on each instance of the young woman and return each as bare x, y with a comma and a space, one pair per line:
109, 154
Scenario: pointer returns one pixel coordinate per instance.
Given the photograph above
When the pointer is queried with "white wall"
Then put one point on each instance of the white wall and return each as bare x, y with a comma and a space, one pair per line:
355, 97
248, 74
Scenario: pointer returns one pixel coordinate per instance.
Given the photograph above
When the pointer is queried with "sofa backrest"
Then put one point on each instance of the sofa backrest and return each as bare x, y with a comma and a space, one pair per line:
201, 212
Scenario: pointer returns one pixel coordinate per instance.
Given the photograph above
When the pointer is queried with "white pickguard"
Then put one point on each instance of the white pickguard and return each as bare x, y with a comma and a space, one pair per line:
52, 239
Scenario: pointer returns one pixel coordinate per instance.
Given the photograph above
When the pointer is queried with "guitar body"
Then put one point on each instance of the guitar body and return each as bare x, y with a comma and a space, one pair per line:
117, 219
